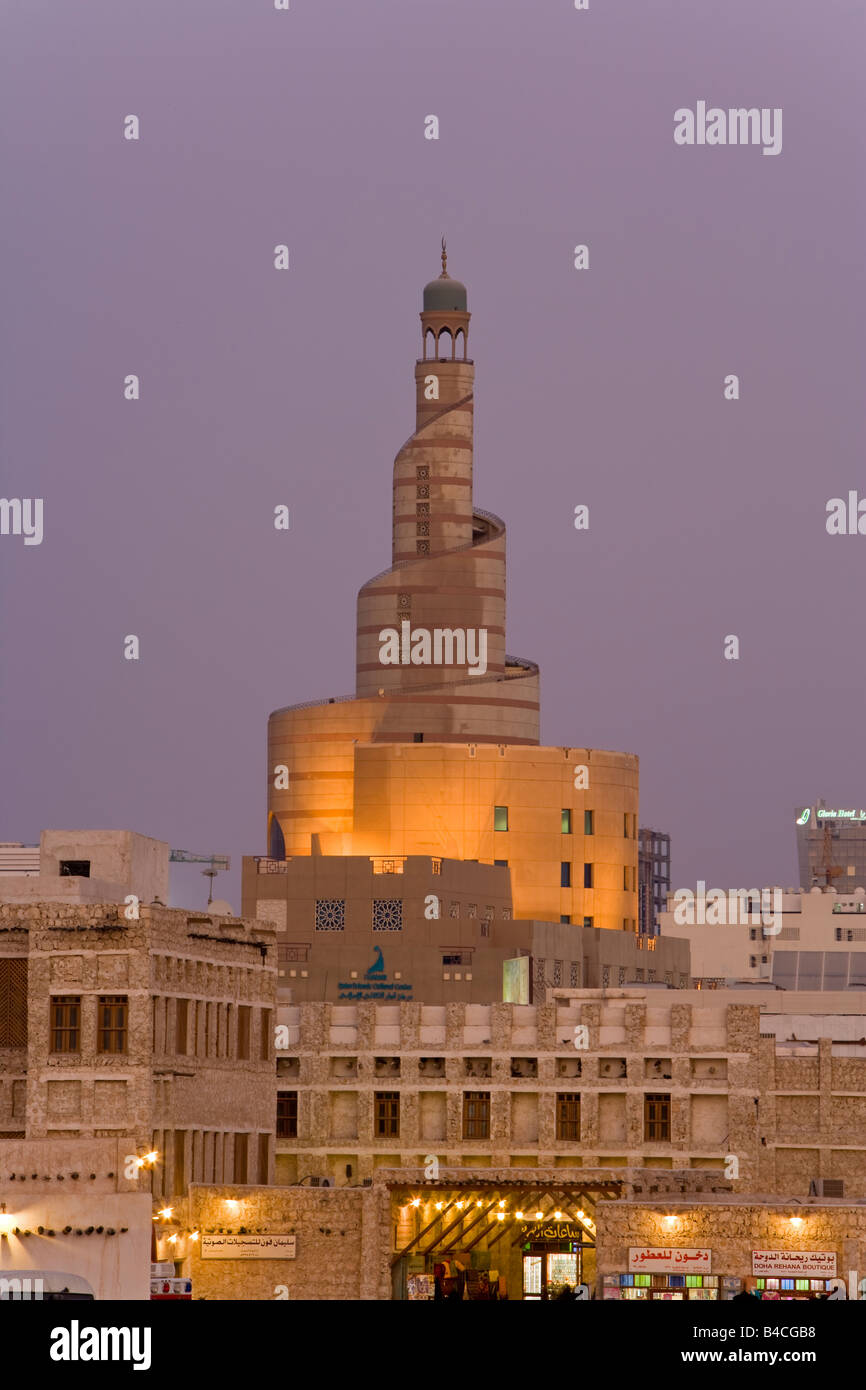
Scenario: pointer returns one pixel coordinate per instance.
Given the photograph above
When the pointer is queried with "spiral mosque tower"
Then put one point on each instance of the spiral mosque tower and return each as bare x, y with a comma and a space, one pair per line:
442, 734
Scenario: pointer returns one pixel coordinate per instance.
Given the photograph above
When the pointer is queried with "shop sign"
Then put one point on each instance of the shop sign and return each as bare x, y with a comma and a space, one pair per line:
273, 1247
553, 1230
667, 1259
815, 1264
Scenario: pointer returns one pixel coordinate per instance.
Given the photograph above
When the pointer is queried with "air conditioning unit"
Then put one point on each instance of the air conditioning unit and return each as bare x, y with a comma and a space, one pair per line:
321, 1182
827, 1187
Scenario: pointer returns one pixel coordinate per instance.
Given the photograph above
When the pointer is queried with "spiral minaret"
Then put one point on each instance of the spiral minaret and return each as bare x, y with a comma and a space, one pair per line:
347, 776
448, 569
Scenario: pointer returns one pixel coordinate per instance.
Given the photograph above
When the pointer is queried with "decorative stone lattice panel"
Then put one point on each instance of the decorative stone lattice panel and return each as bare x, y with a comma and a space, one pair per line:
330, 914
387, 914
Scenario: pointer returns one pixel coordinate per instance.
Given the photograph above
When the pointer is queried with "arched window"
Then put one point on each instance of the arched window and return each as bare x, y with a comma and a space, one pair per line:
429, 344
446, 347
460, 344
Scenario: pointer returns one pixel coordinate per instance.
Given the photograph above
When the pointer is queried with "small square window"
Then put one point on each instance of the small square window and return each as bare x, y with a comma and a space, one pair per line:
75, 868
500, 863
565, 918
588, 921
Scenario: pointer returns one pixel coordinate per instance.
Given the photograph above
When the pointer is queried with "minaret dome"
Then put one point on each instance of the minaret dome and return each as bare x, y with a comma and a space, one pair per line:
445, 315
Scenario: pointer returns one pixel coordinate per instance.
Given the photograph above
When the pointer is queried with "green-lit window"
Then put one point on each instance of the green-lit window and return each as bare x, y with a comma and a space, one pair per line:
500, 818
588, 823
566, 820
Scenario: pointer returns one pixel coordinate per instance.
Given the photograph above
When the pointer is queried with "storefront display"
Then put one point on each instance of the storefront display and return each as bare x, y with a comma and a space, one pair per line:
792, 1288
553, 1258
793, 1274
546, 1275
662, 1287
420, 1286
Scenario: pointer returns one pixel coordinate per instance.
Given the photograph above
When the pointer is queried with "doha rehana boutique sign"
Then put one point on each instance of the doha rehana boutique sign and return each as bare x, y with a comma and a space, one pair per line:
821, 814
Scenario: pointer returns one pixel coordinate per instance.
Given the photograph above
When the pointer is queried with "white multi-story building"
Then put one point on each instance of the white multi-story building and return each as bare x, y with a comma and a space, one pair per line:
813, 940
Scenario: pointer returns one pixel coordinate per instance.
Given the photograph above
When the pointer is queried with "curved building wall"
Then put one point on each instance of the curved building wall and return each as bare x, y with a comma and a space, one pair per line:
441, 800
317, 743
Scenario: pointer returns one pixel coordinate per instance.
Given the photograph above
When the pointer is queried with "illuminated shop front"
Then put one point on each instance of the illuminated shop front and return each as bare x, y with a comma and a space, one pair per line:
486, 1240
793, 1274
556, 1255
669, 1273
685, 1274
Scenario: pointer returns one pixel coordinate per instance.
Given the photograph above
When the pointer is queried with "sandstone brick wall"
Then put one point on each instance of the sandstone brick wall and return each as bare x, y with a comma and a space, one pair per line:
190, 1103
732, 1232
785, 1119
343, 1243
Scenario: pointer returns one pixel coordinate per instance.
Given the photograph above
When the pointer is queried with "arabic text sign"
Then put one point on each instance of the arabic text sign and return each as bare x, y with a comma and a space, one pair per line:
669, 1259
273, 1247
559, 1230
817, 1264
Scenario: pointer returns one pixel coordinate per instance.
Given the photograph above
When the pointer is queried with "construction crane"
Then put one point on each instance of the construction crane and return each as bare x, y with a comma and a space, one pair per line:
216, 863
828, 870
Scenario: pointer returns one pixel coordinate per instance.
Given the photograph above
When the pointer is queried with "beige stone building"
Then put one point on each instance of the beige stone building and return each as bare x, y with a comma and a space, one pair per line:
686, 1144
352, 927
520, 1234
85, 866
437, 751
156, 1032
658, 1080
718, 1243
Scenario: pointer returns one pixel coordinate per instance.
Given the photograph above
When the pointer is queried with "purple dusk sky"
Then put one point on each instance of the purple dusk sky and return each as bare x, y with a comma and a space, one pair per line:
602, 387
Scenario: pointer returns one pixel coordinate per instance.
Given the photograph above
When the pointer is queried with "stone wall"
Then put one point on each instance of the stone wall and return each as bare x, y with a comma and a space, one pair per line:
731, 1094
731, 1231
343, 1242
